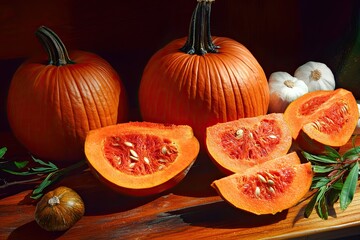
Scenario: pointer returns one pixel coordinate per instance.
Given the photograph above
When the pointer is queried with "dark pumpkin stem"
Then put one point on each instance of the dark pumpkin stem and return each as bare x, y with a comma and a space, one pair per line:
199, 40
55, 48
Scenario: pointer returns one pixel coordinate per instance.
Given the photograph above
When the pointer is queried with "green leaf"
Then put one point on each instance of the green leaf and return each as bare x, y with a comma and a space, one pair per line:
332, 196
322, 209
322, 169
320, 183
310, 206
331, 152
338, 185
318, 159
349, 188
352, 153
21, 164
2, 151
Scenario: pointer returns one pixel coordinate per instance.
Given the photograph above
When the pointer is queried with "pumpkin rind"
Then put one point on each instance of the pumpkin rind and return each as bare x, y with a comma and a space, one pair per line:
265, 137
51, 108
200, 90
290, 182
151, 182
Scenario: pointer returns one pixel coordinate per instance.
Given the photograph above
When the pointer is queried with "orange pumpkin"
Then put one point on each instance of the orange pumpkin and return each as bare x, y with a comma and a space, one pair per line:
200, 81
52, 105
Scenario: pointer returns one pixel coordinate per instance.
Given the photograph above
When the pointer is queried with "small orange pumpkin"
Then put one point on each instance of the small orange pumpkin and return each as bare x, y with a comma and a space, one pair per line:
200, 81
53, 104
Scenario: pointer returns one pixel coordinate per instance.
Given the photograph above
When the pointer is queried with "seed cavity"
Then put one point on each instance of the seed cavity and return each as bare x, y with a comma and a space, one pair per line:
128, 144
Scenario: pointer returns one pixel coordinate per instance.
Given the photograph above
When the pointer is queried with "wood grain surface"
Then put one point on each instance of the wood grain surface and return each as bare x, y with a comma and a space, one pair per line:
191, 210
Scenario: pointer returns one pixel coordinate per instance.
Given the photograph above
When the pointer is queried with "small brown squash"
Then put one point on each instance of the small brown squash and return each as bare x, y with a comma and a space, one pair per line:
59, 210
141, 158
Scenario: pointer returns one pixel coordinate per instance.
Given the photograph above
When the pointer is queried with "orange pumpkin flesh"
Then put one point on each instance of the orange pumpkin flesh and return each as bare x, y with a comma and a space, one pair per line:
202, 80
53, 104
322, 118
267, 189
238, 145
141, 158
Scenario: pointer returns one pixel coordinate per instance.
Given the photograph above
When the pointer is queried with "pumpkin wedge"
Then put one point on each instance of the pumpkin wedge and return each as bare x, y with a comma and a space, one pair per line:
268, 188
238, 145
141, 158
322, 118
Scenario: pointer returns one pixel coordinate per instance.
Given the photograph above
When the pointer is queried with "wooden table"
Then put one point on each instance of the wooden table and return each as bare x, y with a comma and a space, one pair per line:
191, 210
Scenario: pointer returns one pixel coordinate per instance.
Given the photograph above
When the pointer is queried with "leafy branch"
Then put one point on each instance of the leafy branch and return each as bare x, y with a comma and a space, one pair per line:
47, 171
335, 179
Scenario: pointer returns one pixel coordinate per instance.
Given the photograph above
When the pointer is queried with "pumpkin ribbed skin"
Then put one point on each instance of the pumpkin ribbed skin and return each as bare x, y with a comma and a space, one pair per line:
201, 90
51, 108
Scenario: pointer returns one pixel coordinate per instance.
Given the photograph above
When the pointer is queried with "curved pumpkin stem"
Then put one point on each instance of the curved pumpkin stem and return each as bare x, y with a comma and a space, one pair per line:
57, 53
199, 40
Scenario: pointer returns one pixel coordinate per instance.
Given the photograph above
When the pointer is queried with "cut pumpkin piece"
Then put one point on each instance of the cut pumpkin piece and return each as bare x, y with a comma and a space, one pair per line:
141, 158
322, 118
238, 145
269, 188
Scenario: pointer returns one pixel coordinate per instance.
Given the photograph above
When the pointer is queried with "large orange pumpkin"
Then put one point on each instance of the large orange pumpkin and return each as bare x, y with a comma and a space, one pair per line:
53, 104
200, 81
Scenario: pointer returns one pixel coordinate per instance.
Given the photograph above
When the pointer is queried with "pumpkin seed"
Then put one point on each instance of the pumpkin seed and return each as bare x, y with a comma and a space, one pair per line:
272, 190
133, 153
261, 178
239, 133
131, 165
257, 191
133, 158
146, 160
115, 144
128, 144
271, 182
272, 136
164, 150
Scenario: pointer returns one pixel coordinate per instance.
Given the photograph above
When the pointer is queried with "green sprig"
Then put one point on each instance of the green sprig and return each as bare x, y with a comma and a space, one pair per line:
49, 172
335, 179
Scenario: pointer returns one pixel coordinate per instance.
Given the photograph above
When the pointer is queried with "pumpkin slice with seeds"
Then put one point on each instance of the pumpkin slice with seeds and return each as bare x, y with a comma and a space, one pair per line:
269, 188
322, 118
141, 158
237, 145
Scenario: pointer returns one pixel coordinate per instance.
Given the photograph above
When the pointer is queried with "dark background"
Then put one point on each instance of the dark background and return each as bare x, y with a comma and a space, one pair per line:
281, 34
